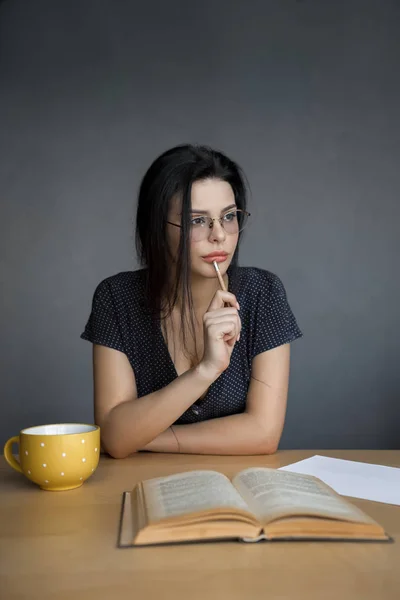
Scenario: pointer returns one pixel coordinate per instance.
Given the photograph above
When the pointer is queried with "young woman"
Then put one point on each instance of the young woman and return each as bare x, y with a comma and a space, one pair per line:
180, 365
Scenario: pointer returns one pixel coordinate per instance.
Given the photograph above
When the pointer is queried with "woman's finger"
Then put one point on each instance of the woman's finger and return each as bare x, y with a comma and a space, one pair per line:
220, 298
223, 319
221, 312
221, 316
218, 331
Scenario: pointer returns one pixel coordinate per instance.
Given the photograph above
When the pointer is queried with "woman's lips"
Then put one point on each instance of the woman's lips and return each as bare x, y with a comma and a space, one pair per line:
219, 259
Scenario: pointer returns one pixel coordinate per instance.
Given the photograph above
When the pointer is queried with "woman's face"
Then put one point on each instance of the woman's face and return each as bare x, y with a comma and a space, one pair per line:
210, 198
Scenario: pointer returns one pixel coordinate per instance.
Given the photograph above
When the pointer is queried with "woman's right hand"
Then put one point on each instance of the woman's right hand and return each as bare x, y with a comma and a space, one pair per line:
221, 325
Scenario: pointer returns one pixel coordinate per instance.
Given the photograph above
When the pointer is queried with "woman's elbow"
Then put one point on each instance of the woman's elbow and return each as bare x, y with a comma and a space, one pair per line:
117, 451
268, 445
113, 445
271, 449
264, 439
265, 448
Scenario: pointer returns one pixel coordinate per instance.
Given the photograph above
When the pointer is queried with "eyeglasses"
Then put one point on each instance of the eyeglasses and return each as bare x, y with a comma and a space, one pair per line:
232, 222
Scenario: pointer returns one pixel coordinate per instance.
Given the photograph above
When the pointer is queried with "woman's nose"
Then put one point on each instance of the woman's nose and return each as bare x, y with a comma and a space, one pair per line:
217, 232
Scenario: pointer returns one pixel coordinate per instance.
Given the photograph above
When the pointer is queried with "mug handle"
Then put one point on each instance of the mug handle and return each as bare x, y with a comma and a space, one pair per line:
8, 455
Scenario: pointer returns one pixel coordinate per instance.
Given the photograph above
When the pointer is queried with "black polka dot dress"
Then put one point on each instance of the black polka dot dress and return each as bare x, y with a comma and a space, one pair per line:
118, 319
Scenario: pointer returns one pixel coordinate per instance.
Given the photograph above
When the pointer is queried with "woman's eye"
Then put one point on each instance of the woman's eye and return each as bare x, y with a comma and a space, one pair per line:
198, 222
230, 216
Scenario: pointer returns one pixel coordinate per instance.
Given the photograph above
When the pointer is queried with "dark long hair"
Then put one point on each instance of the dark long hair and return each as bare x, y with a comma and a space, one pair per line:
172, 175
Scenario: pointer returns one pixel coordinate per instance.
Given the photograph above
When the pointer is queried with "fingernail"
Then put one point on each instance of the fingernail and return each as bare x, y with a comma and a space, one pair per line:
238, 305
238, 337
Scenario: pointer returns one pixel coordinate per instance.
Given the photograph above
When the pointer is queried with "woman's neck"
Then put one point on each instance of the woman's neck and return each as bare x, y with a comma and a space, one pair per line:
203, 291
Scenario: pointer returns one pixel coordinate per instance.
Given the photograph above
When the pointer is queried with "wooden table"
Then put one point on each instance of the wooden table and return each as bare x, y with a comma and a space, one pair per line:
62, 545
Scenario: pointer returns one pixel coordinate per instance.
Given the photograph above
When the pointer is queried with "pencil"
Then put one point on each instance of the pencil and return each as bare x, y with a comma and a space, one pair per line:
221, 281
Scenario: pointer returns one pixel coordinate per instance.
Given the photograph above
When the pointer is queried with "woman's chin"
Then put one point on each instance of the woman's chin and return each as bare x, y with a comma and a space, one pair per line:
207, 270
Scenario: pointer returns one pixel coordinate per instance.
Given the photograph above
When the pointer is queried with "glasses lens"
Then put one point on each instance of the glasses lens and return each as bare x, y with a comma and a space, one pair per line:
242, 219
200, 231
233, 222
230, 222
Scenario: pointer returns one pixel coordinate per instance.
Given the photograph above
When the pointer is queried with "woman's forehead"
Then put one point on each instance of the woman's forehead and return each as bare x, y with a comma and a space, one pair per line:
209, 195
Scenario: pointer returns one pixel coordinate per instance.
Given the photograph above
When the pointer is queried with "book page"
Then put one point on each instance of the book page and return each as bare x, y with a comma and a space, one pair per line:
185, 493
271, 494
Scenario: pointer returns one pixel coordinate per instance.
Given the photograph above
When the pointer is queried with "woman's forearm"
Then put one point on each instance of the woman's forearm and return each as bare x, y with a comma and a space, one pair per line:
235, 434
166, 441
132, 425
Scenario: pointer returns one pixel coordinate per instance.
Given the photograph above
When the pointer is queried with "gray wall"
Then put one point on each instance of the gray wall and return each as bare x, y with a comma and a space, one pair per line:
305, 95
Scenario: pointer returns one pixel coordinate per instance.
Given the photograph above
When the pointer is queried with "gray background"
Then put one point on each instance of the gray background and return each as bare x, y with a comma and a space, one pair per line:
304, 95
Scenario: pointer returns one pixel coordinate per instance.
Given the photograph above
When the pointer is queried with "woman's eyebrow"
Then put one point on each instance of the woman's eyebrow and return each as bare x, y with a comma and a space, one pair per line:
206, 212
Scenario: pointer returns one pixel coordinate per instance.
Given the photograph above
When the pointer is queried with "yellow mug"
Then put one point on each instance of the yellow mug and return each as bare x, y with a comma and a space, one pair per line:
57, 457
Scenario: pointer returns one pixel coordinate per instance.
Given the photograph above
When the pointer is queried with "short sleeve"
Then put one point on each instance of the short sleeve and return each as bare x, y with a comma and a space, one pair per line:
275, 324
103, 327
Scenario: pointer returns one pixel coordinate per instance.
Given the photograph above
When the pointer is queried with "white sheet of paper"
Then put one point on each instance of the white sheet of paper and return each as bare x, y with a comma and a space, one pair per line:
350, 478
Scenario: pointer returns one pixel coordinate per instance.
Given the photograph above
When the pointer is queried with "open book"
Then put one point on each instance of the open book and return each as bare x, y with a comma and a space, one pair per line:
259, 504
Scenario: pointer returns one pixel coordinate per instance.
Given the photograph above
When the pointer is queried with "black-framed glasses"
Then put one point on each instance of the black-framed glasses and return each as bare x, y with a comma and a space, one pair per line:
233, 222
